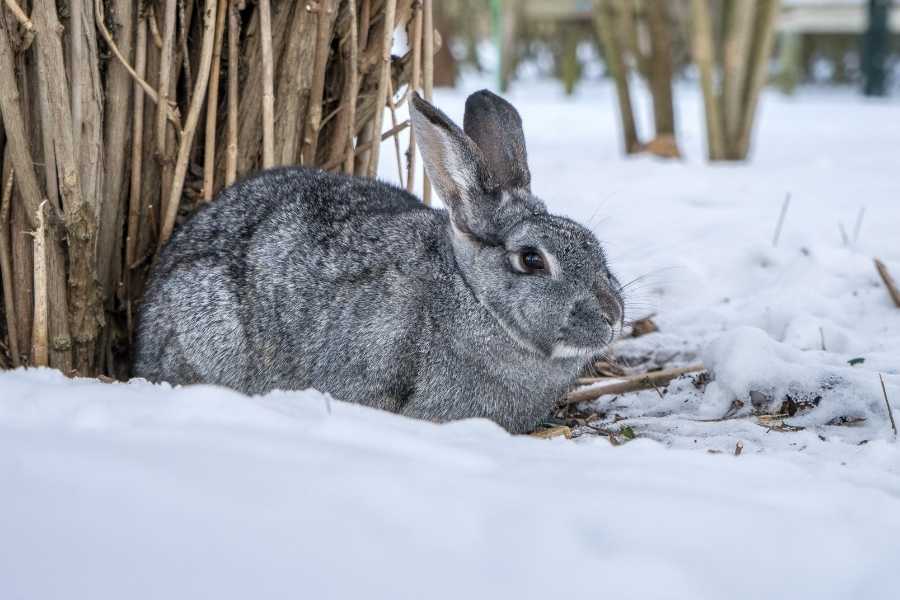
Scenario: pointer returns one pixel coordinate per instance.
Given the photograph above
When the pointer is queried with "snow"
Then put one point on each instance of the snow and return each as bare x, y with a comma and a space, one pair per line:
145, 491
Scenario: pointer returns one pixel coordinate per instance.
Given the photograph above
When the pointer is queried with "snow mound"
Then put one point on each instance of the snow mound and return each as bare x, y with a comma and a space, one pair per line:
145, 491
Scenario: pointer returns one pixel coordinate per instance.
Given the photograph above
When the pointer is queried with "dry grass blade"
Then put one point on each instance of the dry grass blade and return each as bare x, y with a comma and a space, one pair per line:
632, 383
784, 208
889, 282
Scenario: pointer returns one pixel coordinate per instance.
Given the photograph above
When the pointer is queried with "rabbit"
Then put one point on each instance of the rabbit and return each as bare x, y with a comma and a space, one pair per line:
297, 278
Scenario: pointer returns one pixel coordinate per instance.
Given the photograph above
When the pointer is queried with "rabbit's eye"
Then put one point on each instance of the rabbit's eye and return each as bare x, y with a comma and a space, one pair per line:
531, 261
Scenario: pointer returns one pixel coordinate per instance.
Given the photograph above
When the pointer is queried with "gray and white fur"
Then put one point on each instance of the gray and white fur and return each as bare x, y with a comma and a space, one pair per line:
297, 278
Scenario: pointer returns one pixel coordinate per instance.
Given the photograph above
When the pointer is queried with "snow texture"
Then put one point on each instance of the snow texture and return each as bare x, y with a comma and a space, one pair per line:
145, 491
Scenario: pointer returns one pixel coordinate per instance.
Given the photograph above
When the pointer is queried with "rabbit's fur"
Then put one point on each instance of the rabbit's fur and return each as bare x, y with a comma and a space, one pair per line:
298, 278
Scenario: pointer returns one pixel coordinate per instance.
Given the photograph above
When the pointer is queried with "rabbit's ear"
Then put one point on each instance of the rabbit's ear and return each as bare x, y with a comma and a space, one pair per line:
496, 128
456, 168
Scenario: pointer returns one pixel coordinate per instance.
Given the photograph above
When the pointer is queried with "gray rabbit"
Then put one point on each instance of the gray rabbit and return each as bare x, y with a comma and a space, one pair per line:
297, 278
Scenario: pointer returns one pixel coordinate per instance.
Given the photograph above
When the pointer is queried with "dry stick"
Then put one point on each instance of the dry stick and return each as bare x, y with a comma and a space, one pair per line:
365, 19
182, 42
845, 239
231, 148
190, 123
268, 96
361, 148
352, 87
76, 41
40, 356
428, 69
784, 209
888, 404
634, 383
26, 23
704, 56
393, 109
888, 281
317, 86
17, 143
139, 78
6, 273
135, 206
414, 85
165, 75
83, 296
154, 27
342, 122
390, 11
858, 226
212, 105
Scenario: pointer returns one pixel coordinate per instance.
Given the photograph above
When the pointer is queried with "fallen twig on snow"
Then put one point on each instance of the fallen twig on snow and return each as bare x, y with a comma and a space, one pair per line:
784, 209
632, 383
888, 404
888, 282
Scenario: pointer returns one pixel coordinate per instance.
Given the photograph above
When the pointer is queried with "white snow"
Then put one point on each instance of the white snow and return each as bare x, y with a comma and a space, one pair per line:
142, 491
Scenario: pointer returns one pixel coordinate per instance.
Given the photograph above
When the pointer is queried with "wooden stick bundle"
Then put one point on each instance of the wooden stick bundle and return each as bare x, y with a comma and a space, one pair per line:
113, 147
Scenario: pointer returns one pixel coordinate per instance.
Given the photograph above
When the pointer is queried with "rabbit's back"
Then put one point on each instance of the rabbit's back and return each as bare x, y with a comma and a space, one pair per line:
288, 274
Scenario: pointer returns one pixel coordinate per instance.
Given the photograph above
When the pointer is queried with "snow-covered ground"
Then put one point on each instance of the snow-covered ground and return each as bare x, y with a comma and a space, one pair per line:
141, 491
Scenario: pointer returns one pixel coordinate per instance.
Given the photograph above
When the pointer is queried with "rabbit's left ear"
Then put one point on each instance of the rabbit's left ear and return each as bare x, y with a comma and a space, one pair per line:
496, 128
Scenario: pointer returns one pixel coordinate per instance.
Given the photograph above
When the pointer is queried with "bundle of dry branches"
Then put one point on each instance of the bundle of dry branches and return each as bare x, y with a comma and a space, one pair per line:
101, 103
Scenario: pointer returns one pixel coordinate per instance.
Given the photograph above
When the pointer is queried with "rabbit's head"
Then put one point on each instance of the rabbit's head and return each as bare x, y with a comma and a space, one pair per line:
543, 277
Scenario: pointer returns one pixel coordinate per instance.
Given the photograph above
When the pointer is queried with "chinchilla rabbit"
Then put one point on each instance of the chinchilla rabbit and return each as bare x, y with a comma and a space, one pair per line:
297, 278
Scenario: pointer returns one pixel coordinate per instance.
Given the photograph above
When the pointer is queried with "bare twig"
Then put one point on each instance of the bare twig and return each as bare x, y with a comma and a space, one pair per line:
390, 8
342, 138
212, 105
76, 41
165, 74
182, 42
24, 21
633, 383
858, 226
6, 272
888, 282
784, 209
416, 39
40, 356
268, 95
231, 148
135, 205
393, 131
888, 404
171, 112
428, 72
317, 87
190, 123
14, 124
393, 110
